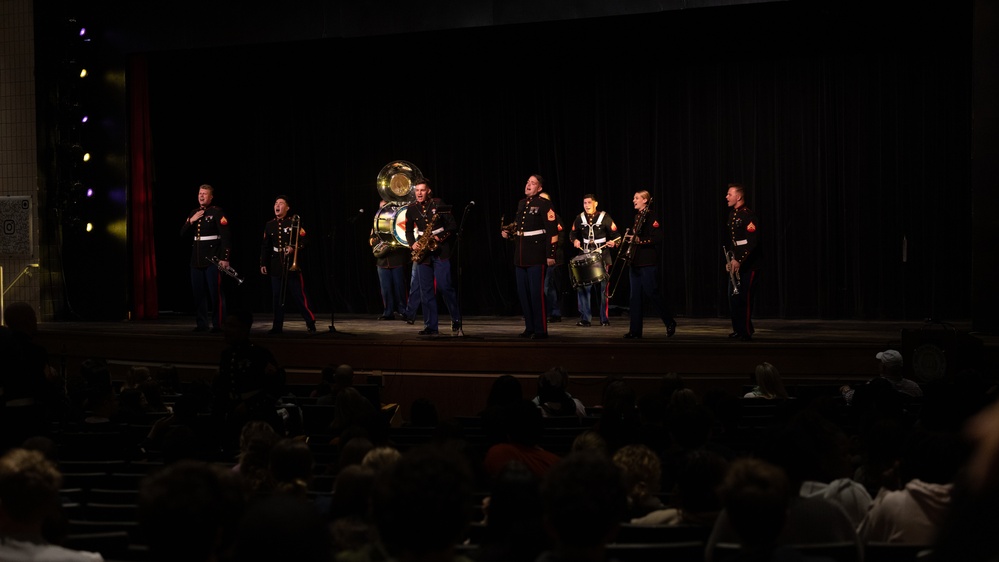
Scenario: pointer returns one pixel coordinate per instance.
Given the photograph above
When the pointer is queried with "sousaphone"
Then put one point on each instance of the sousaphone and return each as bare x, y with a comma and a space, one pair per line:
395, 186
395, 182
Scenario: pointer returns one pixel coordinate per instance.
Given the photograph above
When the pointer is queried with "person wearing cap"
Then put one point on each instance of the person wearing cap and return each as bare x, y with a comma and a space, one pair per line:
890, 368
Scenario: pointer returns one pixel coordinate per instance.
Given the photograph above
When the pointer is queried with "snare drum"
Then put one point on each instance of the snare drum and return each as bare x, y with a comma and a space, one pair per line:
587, 269
390, 225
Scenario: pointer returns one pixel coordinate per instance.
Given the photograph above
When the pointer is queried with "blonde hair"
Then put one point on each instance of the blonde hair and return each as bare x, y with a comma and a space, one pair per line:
641, 468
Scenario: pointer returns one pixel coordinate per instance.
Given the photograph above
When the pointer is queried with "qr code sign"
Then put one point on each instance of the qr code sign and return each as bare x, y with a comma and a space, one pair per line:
15, 226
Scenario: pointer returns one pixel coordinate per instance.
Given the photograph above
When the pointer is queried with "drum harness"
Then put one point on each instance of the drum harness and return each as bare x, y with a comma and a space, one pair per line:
590, 239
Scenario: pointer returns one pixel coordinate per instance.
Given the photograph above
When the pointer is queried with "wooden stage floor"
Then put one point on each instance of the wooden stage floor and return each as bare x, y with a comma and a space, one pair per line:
456, 372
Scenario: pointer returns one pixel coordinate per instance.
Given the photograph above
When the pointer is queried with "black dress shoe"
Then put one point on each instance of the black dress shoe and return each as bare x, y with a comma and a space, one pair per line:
311, 327
746, 338
605, 323
273, 331
455, 327
583, 323
733, 335
386, 317
411, 320
539, 336
526, 334
428, 332
216, 330
633, 336
200, 329
670, 329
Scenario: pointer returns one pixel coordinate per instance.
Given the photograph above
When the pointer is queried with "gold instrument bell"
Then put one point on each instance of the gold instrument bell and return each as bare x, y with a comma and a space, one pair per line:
395, 182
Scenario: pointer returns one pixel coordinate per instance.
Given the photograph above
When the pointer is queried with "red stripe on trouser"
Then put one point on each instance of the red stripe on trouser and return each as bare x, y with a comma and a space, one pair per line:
544, 307
305, 299
218, 297
749, 299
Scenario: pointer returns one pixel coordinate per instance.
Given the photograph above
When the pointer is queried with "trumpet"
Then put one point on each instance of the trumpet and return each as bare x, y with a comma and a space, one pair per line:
228, 270
510, 229
732, 276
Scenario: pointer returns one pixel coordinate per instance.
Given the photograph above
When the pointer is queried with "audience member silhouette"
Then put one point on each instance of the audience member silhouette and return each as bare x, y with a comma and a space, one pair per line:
695, 495
334, 379
422, 504
24, 377
767, 383
642, 472
584, 500
513, 517
553, 396
189, 511
29, 499
524, 427
282, 527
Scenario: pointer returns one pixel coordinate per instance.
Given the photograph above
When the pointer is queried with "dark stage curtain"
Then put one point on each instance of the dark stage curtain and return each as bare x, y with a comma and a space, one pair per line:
852, 135
145, 303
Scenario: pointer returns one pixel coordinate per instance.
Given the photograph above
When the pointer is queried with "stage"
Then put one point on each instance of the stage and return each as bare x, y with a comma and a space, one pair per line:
456, 371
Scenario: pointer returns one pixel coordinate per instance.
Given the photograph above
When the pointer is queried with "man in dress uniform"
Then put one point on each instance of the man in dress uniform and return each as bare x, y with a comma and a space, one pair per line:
209, 250
535, 236
434, 266
554, 280
590, 230
744, 261
278, 253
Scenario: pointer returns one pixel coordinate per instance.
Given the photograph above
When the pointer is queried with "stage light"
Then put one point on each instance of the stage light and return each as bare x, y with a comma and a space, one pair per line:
84, 119
83, 73
86, 157
90, 192
83, 31
90, 227
118, 229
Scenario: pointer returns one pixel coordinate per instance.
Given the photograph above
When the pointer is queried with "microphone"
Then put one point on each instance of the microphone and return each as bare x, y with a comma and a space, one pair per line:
355, 217
471, 203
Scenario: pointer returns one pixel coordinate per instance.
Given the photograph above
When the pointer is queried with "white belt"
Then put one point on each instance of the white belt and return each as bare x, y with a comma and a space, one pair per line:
212, 237
278, 250
741, 242
435, 232
598, 241
533, 232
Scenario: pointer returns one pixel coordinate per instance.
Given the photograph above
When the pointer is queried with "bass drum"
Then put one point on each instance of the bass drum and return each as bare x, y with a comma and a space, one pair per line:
395, 182
587, 269
390, 225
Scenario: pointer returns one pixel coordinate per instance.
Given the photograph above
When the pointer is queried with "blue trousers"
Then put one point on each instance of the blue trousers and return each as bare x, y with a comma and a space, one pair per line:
209, 302
583, 297
436, 275
645, 285
531, 290
295, 288
392, 281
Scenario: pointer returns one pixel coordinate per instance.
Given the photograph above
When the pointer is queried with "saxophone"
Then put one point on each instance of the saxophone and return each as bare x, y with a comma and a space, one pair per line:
426, 240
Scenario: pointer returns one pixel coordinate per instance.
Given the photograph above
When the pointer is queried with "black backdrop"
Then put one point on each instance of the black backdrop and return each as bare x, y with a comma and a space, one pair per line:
850, 130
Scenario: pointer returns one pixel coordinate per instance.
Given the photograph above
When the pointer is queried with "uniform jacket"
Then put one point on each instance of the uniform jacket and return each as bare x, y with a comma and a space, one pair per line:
536, 237
602, 228
277, 235
650, 237
418, 216
211, 236
744, 237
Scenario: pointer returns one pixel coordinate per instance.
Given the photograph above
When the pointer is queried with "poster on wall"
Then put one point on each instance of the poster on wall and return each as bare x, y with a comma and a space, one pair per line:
15, 226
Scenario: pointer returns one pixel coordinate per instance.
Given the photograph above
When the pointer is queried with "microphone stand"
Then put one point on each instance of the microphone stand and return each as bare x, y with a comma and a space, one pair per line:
461, 231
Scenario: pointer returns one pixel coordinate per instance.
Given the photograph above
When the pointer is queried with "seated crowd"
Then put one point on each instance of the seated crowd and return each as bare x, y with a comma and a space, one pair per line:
232, 471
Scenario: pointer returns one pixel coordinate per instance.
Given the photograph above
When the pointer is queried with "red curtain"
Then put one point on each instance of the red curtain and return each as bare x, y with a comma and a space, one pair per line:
144, 290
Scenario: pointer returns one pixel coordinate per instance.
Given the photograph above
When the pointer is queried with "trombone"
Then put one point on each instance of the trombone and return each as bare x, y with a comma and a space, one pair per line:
296, 227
